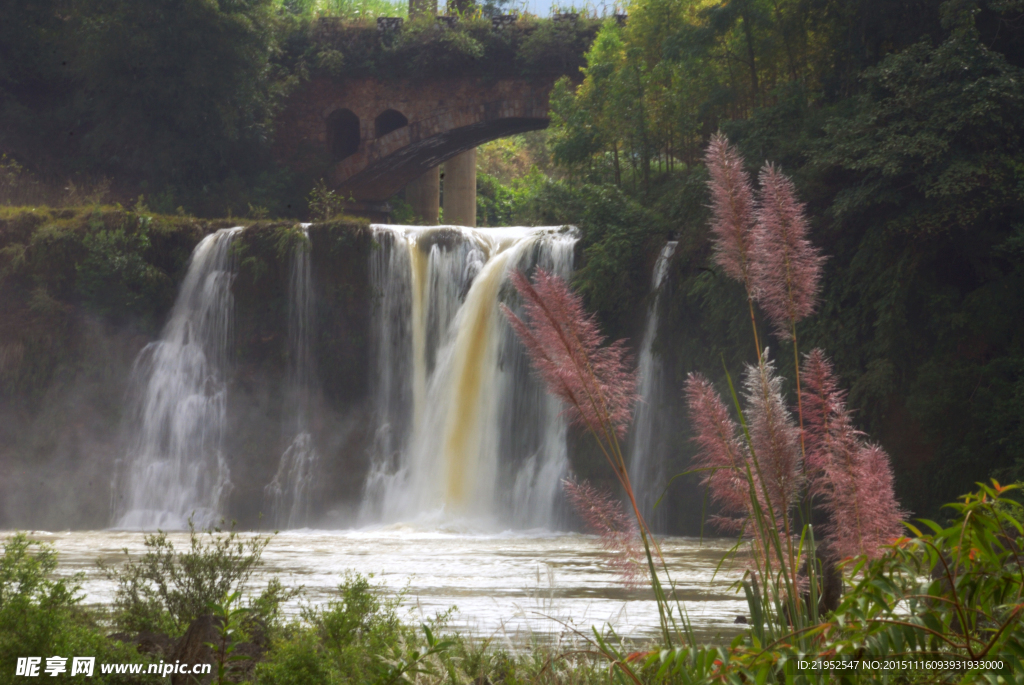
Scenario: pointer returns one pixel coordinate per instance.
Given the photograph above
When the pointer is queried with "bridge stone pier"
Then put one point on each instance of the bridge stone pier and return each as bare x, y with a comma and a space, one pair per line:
369, 138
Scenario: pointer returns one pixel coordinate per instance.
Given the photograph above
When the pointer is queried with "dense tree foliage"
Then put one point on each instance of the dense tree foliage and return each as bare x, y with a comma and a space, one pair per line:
172, 98
900, 122
156, 74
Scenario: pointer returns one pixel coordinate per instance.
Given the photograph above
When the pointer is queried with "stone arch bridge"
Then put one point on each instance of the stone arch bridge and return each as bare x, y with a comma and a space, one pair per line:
375, 138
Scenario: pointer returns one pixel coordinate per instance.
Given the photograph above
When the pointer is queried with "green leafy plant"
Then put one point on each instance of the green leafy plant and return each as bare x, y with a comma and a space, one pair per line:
953, 591
113, 276
357, 10
10, 177
950, 595
164, 590
410, 662
325, 203
41, 614
358, 627
357, 637
33, 604
228, 619
258, 212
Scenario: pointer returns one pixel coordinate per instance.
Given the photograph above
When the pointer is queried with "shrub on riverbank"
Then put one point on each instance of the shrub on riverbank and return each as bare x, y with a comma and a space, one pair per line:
41, 615
165, 590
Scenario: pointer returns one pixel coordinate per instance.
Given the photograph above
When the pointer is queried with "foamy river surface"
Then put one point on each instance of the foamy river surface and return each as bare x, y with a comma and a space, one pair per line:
513, 587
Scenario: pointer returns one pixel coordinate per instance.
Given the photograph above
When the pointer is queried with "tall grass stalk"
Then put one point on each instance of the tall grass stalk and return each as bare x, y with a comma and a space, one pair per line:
760, 239
597, 386
732, 222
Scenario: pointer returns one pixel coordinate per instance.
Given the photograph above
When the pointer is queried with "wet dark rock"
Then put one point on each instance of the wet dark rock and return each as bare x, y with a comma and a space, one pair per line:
192, 648
157, 644
832, 585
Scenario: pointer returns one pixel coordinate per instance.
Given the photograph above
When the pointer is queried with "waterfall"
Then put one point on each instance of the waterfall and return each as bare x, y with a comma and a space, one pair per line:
290, 492
646, 468
463, 427
174, 467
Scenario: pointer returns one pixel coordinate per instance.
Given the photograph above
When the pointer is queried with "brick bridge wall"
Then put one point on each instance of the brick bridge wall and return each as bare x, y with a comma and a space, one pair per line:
445, 117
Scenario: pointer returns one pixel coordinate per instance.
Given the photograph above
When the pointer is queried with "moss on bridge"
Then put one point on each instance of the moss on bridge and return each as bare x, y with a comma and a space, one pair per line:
425, 48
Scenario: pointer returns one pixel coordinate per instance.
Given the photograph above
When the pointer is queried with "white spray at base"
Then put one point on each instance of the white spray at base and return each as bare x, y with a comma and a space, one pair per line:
290, 493
174, 468
464, 429
646, 467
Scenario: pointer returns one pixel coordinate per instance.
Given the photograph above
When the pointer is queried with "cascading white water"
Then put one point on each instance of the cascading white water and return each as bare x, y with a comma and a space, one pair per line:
646, 468
463, 427
532, 429
290, 493
174, 468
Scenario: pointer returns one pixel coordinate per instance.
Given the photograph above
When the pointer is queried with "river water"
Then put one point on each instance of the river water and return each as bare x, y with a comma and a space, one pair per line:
513, 587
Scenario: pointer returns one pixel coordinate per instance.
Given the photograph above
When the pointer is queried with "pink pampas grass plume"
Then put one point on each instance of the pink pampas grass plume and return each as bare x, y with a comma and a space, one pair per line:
774, 440
721, 454
731, 477
786, 266
605, 516
732, 210
853, 479
864, 513
565, 346
828, 427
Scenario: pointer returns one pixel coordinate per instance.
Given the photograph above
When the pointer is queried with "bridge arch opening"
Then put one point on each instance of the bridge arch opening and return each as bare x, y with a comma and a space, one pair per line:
383, 176
387, 121
343, 134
